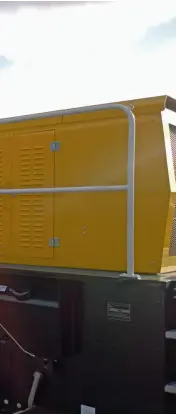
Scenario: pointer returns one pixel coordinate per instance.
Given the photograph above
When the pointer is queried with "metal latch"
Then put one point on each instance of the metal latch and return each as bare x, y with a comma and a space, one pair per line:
54, 242
55, 146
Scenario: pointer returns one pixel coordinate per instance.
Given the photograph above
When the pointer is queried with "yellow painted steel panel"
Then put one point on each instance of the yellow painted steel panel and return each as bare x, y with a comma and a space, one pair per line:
32, 215
92, 227
87, 224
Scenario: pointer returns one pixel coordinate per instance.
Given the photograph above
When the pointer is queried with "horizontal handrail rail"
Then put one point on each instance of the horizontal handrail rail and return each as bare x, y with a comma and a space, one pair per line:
50, 190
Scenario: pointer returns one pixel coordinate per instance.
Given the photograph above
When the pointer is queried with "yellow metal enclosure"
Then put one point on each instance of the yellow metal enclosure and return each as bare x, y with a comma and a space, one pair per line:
91, 227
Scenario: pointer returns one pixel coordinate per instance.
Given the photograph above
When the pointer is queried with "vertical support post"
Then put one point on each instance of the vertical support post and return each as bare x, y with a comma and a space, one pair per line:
131, 197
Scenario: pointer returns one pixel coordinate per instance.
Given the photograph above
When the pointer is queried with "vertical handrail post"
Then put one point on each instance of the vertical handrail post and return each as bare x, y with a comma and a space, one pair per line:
131, 187
131, 197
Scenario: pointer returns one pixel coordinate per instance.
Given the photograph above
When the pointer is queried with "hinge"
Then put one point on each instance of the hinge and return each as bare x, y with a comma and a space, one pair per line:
54, 242
55, 146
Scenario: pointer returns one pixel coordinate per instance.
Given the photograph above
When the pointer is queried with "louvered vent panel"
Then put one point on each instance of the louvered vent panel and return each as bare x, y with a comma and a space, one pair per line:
172, 129
4, 203
32, 221
32, 167
172, 248
35, 211
32, 208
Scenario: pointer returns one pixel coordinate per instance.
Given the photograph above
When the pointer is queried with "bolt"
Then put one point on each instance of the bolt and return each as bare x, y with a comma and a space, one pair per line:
18, 405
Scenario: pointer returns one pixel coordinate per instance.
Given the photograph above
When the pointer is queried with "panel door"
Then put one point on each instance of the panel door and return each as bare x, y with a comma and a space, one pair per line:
33, 166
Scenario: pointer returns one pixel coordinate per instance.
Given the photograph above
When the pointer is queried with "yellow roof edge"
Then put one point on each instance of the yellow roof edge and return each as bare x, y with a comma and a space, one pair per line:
141, 106
152, 104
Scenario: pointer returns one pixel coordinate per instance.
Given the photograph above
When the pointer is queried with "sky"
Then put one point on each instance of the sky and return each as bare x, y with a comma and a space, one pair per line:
68, 54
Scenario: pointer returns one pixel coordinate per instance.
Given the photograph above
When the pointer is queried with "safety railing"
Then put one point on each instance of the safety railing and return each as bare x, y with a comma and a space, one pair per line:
129, 187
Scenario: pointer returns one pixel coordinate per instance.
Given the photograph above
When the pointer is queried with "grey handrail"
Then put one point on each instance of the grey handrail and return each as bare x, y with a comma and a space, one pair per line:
129, 187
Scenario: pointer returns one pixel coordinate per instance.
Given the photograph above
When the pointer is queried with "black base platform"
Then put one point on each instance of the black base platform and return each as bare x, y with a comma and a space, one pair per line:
106, 336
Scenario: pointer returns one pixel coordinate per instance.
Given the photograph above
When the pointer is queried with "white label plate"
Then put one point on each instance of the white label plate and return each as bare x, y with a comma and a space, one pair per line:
87, 410
3, 288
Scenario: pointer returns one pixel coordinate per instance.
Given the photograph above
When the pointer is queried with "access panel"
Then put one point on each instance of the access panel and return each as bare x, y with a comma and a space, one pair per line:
32, 215
91, 226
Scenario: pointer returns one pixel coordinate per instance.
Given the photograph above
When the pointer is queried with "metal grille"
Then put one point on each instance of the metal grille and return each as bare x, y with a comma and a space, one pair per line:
33, 167
172, 129
32, 209
172, 248
32, 221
